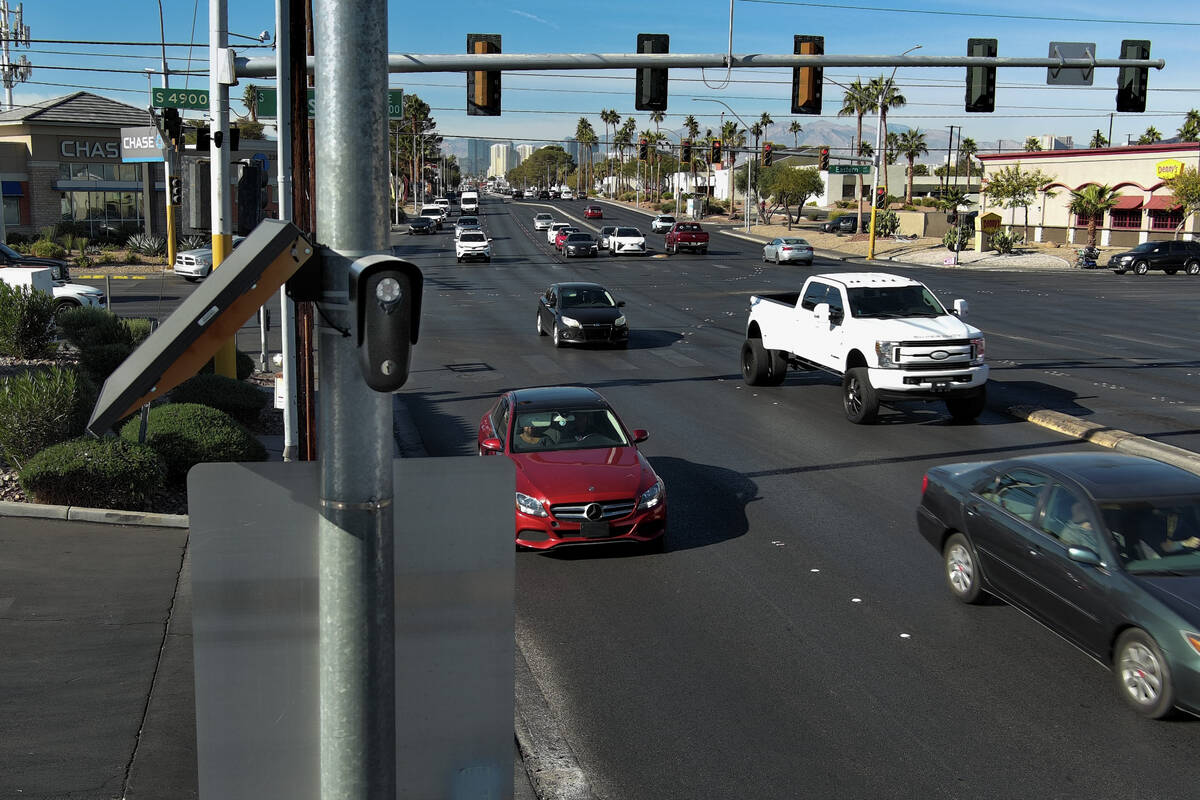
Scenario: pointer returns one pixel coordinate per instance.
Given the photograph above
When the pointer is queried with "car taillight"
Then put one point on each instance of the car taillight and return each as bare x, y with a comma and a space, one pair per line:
924, 483
786, 249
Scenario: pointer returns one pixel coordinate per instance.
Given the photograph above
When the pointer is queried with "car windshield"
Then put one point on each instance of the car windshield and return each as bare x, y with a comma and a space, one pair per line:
608, 229
628, 232
689, 227
543, 216
666, 219
1155, 536
1145, 247
464, 221
586, 297
883, 302
580, 237
472, 237
566, 429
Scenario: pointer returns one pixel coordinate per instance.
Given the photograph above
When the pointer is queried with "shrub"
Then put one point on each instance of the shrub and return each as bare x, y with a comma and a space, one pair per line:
44, 248
1005, 242
26, 322
957, 238
101, 360
94, 473
82, 261
194, 241
146, 244
886, 223
132, 259
239, 400
138, 328
187, 434
90, 327
667, 207
245, 366
40, 408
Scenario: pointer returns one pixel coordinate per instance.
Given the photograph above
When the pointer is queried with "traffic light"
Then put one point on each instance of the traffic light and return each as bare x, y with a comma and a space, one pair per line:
880, 197
643, 149
175, 186
806, 81
981, 81
651, 89
235, 137
823, 160
685, 154
715, 155
766, 156
483, 86
264, 193
203, 142
172, 125
1132, 81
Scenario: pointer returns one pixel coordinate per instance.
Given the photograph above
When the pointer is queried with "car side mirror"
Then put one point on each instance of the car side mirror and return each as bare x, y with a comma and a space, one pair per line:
960, 308
821, 312
492, 445
640, 435
620, 304
1082, 555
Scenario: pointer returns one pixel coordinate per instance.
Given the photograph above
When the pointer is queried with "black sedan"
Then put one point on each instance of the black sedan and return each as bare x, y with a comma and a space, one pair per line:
421, 225
1102, 548
581, 313
580, 244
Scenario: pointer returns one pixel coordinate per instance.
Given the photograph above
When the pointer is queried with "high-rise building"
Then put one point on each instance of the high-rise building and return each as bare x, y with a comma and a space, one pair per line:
502, 159
524, 151
479, 158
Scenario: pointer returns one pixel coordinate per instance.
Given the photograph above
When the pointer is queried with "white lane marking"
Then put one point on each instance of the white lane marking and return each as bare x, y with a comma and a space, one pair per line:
1157, 343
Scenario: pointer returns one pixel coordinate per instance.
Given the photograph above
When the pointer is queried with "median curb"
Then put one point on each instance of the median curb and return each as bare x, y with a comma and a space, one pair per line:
102, 515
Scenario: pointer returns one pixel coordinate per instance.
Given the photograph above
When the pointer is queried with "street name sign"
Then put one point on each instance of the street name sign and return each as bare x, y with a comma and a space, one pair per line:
195, 99
849, 169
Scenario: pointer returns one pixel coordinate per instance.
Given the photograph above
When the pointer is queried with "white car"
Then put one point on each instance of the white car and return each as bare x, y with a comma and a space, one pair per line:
473, 244
555, 227
662, 223
444, 203
567, 194
602, 236
542, 221
626, 240
465, 224
788, 248
434, 212
192, 265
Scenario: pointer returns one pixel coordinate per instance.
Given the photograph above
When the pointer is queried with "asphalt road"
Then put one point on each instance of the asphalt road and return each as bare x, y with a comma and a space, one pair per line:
796, 638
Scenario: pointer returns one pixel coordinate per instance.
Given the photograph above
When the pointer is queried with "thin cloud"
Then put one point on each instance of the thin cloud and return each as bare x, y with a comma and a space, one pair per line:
533, 17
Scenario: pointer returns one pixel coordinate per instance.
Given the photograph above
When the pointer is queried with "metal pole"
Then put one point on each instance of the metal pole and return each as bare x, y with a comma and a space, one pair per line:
7, 30
169, 161
355, 555
881, 157
222, 208
287, 308
746, 196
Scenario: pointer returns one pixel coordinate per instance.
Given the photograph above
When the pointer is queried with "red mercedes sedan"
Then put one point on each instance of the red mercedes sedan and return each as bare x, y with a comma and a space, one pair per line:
580, 477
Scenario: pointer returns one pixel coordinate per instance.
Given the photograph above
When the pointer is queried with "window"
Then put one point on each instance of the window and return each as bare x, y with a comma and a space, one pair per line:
815, 295
1016, 491
500, 422
1068, 520
1081, 221
1127, 218
1166, 220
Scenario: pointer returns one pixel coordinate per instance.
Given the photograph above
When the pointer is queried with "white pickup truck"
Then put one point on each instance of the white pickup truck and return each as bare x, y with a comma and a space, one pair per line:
886, 336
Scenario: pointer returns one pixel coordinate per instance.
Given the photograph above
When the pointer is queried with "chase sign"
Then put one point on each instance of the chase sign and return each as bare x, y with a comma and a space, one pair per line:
142, 144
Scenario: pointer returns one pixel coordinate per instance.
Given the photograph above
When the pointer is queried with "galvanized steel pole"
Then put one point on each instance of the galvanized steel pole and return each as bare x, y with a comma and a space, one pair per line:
287, 307
225, 361
355, 555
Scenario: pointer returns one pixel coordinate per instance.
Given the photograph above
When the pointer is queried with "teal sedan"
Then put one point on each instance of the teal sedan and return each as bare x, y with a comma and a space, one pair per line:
1102, 548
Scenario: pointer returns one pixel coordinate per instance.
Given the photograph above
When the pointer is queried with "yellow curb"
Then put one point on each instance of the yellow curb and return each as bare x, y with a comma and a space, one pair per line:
113, 277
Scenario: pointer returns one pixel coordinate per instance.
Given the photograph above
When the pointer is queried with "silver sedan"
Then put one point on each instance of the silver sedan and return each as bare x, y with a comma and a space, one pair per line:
788, 248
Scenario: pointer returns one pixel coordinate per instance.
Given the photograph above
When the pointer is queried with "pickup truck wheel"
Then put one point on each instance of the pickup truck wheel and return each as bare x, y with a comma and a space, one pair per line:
703, 251
754, 363
776, 367
966, 409
1141, 268
65, 305
858, 397
1192, 268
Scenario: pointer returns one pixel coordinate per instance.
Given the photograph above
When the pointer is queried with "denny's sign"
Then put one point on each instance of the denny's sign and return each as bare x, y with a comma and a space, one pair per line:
1168, 169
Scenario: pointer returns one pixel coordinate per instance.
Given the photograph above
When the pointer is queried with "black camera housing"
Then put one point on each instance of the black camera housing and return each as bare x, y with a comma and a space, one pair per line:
387, 318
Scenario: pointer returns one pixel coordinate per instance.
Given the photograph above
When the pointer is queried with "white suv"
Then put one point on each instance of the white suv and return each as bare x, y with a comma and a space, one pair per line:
473, 244
662, 223
542, 221
436, 213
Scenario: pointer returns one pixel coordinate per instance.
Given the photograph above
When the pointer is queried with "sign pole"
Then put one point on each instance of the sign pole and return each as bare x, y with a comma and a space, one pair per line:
225, 361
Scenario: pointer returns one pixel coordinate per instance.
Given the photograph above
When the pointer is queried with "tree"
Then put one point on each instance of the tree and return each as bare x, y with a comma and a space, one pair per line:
794, 129
417, 137
1092, 201
585, 136
887, 97
733, 137
1013, 187
1150, 136
1185, 188
250, 96
952, 200
609, 117
790, 185
911, 145
1033, 144
692, 126
1098, 141
1190, 130
551, 160
857, 101
624, 140
250, 130
967, 148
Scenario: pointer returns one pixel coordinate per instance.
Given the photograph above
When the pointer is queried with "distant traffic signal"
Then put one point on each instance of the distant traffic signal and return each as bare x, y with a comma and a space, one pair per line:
483, 86
880, 197
806, 81
981, 81
823, 160
176, 190
651, 89
714, 155
643, 149
685, 154
1132, 81
766, 156
203, 141
172, 125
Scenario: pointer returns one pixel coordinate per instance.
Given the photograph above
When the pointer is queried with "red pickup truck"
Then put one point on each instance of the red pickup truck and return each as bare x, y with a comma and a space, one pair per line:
686, 236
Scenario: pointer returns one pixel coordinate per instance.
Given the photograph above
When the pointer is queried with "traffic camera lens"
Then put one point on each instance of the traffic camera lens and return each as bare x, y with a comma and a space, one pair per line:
387, 290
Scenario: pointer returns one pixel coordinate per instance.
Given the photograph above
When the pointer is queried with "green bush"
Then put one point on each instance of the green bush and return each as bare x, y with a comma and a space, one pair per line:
239, 400
26, 322
245, 366
44, 248
186, 434
194, 241
886, 223
667, 207
89, 327
39, 408
94, 473
146, 244
1004, 242
101, 360
957, 239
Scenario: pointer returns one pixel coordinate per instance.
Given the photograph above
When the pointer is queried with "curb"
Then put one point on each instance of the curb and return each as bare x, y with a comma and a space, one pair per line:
102, 515
552, 769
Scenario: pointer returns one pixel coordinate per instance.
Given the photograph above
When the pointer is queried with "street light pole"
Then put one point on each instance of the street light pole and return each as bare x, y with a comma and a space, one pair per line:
749, 159
880, 156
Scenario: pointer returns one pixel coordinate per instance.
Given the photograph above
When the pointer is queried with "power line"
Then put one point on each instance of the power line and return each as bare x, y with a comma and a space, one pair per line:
1096, 20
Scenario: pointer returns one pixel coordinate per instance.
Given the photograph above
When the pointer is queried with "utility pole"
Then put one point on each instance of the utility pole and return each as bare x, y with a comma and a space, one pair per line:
169, 163
225, 361
881, 156
300, 13
287, 308
354, 536
16, 33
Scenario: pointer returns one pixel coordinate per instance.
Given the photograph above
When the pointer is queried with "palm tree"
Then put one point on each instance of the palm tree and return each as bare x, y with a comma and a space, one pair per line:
609, 117
794, 129
1190, 130
967, 148
887, 97
1150, 136
732, 137
857, 101
1032, 144
624, 139
693, 130
250, 97
1098, 141
756, 130
911, 145
1092, 201
584, 134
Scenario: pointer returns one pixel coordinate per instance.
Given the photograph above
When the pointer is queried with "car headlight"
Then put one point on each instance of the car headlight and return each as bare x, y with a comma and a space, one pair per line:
977, 351
527, 505
619, 322
571, 323
652, 496
1126, 259
888, 354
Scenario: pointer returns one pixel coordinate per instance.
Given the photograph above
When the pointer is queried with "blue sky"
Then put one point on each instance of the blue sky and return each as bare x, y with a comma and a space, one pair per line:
547, 105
